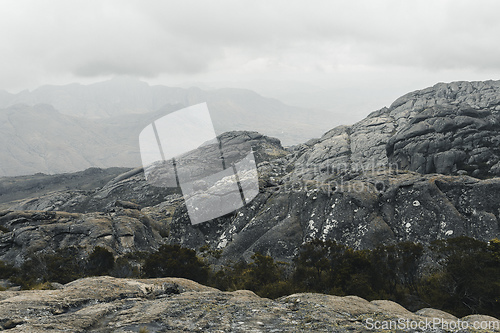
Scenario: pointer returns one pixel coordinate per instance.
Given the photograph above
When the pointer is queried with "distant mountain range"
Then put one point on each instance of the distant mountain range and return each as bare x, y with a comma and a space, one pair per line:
68, 128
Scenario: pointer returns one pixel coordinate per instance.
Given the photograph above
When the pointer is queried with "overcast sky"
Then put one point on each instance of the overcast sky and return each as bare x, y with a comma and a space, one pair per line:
355, 56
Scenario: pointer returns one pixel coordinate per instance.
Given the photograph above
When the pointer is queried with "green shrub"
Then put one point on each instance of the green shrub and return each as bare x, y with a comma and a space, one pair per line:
468, 279
277, 289
100, 262
176, 261
263, 276
7, 270
125, 268
63, 266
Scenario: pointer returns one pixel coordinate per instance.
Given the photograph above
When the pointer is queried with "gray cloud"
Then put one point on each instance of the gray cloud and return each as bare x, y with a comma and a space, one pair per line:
221, 37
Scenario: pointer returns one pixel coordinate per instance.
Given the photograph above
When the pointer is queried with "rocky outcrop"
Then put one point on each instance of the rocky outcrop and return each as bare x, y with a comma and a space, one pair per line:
105, 304
449, 140
354, 185
423, 169
368, 210
448, 129
371, 209
111, 215
359, 208
29, 232
131, 185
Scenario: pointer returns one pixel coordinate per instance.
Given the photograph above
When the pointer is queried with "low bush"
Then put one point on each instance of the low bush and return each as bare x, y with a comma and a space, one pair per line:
175, 261
100, 262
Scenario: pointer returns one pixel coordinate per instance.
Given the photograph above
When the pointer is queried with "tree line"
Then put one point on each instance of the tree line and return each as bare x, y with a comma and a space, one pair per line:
459, 275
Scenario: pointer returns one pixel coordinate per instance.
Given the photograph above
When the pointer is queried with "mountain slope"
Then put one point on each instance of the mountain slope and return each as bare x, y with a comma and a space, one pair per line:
56, 129
362, 186
40, 139
232, 109
349, 186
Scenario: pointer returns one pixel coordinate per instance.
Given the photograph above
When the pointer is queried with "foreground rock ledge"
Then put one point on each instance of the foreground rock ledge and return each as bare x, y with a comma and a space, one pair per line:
106, 304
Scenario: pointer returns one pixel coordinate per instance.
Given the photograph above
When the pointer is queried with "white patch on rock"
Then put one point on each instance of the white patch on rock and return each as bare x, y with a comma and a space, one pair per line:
312, 229
442, 225
449, 233
223, 241
326, 230
311, 225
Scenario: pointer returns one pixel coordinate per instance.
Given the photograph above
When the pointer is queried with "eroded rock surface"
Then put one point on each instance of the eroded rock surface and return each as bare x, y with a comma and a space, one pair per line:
355, 185
371, 209
105, 304
361, 208
121, 231
448, 128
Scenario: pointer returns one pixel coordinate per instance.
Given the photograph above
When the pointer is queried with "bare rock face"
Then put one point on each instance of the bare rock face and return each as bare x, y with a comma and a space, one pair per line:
448, 128
124, 215
449, 140
121, 231
354, 185
105, 304
385, 207
423, 169
361, 208
131, 185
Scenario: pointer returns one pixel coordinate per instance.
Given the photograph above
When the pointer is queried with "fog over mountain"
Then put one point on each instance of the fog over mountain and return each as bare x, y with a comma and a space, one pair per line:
56, 129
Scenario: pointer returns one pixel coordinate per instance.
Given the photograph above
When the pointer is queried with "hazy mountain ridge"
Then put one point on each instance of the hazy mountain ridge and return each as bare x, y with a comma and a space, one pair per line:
114, 112
40, 139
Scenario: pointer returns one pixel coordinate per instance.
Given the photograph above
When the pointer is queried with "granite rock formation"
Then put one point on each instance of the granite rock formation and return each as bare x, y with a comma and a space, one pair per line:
122, 231
420, 170
105, 304
423, 169
448, 129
